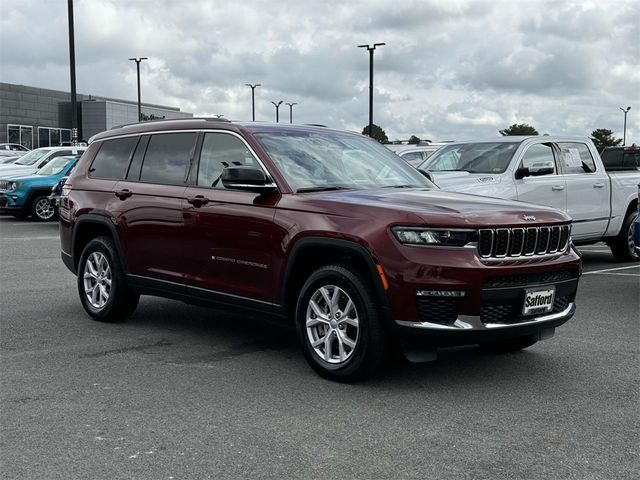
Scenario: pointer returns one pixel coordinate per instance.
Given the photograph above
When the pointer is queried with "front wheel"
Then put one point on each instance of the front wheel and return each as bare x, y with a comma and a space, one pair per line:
102, 285
622, 245
339, 324
42, 210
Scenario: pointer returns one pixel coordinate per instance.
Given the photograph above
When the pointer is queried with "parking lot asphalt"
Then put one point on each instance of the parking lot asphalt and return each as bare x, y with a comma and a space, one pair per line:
182, 392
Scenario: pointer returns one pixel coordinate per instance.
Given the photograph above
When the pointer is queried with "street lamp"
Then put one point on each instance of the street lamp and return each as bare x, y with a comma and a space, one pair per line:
138, 60
371, 49
253, 99
277, 105
624, 130
72, 71
291, 111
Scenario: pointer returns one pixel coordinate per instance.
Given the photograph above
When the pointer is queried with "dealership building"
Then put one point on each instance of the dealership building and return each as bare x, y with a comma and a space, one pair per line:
38, 117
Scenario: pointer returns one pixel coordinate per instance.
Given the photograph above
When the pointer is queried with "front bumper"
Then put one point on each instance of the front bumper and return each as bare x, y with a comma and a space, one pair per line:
10, 203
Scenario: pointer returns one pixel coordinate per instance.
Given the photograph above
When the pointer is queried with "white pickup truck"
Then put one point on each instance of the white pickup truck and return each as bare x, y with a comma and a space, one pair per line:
562, 172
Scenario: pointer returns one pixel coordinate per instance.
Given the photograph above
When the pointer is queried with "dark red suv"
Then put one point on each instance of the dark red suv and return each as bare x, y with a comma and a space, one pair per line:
323, 228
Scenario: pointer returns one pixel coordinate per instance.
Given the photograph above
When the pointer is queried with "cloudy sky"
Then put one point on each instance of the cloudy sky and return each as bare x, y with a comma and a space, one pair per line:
451, 69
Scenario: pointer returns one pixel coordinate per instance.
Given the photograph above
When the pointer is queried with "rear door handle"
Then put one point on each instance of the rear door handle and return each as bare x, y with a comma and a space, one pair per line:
122, 194
557, 188
198, 201
598, 185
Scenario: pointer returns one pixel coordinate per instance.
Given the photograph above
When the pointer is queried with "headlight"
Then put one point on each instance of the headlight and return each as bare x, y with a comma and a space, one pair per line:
13, 186
434, 236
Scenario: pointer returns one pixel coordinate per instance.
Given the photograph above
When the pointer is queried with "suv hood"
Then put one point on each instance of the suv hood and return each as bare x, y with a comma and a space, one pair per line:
11, 170
437, 207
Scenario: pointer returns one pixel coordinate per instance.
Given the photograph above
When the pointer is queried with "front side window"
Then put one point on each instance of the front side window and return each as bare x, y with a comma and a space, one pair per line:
483, 157
168, 158
332, 160
576, 158
539, 156
219, 151
412, 158
112, 159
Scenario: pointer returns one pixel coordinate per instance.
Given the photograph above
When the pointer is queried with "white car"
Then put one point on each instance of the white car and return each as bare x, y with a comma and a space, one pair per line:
562, 172
36, 159
415, 154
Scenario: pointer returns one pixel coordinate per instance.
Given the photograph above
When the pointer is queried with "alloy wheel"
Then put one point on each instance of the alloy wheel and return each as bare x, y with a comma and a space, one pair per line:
332, 324
44, 209
97, 280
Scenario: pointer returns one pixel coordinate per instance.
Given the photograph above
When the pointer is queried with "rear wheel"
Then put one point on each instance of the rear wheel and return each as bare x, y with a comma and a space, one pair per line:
102, 285
622, 245
42, 210
509, 345
339, 324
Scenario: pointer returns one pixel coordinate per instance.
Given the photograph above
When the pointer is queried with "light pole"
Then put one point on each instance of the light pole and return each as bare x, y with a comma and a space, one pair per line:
138, 60
371, 49
291, 110
253, 99
277, 105
624, 129
72, 71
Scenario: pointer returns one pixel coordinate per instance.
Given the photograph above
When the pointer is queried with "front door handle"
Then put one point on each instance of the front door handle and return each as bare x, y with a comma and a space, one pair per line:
598, 185
557, 188
198, 201
124, 193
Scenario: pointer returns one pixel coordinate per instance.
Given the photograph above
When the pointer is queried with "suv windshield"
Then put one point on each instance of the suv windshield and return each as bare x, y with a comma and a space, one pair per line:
472, 157
55, 166
31, 157
332, 160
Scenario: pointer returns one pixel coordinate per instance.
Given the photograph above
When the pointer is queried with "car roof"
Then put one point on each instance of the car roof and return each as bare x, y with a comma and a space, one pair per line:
523, 138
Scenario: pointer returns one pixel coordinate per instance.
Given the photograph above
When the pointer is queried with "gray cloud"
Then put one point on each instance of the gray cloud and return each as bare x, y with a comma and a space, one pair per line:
455, 69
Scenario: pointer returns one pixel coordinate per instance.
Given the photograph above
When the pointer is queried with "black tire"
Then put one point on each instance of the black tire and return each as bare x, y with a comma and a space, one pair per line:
42, 210
509, 345
622, 245
121, 302
368, 354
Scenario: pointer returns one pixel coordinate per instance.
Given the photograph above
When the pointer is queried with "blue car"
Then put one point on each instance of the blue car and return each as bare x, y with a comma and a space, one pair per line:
28, 195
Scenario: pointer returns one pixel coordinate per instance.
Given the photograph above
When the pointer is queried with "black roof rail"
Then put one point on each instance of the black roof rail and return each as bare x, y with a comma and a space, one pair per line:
315, 125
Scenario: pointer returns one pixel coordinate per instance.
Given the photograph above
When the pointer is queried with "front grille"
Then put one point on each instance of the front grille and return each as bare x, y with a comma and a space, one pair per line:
4, 184
515, 243
529, 279
511, 313
443, 311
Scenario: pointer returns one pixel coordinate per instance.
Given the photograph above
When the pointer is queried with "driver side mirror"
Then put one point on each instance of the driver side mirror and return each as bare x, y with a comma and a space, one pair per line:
426, 174
533, 171
247, 178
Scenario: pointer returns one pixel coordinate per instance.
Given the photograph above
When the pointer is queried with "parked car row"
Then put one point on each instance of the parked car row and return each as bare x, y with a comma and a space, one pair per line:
25, 186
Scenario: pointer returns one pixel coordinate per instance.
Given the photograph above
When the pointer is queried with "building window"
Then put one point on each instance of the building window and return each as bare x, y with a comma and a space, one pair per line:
53, 137
22, 134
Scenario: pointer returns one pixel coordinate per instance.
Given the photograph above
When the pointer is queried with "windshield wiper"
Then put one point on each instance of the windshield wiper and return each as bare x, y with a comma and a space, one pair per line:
321, 189
404, 186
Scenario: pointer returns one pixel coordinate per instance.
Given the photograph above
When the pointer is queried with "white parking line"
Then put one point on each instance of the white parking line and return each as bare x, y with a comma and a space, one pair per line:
49, 237
611, 269
622, 274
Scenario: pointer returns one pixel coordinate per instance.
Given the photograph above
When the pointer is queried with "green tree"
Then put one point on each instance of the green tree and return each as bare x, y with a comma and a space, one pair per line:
413, 140
519, 129
377, 133
602, 137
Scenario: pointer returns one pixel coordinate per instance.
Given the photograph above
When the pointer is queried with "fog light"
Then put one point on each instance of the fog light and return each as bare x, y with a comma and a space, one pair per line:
442, 293
14, 197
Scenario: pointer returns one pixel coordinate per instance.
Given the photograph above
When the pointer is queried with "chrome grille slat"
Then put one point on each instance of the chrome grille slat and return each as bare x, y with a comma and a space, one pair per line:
4, 184
521, 243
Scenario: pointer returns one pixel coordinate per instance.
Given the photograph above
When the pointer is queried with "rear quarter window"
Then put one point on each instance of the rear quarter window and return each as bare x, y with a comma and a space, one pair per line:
112, 160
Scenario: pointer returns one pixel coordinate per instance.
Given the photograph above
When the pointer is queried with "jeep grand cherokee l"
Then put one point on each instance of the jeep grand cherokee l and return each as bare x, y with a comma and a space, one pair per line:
325, 229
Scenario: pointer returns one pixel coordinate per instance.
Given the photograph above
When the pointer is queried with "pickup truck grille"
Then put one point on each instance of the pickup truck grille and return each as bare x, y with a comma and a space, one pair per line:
4, 184
514, 243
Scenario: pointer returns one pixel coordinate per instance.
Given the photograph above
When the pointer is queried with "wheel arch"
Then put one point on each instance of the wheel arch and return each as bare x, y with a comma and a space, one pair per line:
310, 253
90, 226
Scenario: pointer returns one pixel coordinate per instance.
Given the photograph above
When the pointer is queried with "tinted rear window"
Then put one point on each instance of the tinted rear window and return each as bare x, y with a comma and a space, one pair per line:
168, 158
112, 159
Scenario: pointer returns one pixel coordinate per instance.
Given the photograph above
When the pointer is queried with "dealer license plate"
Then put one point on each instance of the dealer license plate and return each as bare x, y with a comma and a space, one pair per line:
538, 301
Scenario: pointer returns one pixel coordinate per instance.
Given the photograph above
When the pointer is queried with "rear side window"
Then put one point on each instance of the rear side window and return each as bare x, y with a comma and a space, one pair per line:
168, 158
576, 158
112, 159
